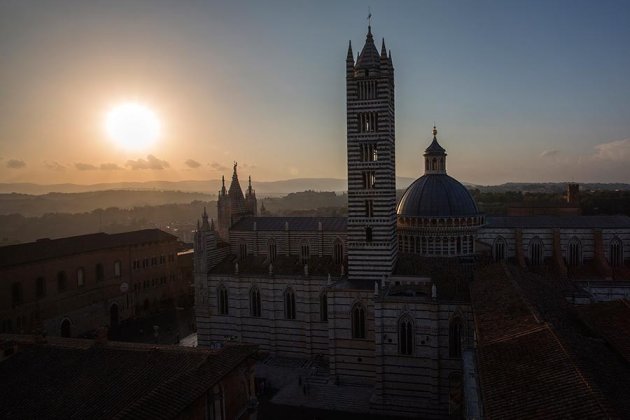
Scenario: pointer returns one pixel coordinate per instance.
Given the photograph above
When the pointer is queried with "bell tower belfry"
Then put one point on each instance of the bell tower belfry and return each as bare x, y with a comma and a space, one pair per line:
372, 240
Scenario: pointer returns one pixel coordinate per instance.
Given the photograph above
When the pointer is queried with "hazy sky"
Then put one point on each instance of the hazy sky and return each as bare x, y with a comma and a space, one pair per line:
520, 90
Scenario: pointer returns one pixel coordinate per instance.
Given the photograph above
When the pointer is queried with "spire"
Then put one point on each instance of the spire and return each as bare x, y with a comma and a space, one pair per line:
204, 217
223, 192
350, 56
383, 49
211, 224
369, 57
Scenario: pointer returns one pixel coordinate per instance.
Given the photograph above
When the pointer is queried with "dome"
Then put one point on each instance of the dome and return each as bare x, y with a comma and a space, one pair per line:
436, 195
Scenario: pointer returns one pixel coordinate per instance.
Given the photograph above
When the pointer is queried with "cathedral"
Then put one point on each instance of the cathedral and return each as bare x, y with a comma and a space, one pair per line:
381, 295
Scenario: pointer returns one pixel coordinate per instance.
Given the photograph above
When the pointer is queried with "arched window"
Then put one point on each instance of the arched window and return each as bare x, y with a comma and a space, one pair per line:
80, 277
338, 251
117, 269
323, 307
455, 337
100, 272
405, 335
498, 249
65, 328
574, 254
61, 281
434, 164
254, 302
358, 321
242, 250
272, 250
536, 250
305, 252
222, 300
289, 303
615, 253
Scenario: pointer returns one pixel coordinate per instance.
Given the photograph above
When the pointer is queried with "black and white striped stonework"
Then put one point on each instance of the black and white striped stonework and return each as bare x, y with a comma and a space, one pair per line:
372, 243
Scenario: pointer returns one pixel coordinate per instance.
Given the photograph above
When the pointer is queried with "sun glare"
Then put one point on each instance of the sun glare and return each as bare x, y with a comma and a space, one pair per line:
132, 126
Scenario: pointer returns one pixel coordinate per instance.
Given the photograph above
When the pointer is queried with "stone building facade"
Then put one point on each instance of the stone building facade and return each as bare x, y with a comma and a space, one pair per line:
382, 295
71, 286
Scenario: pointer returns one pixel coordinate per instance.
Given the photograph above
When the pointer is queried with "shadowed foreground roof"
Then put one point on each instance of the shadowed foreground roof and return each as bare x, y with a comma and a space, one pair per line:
43, 249
564, 221
527, 368
72, 378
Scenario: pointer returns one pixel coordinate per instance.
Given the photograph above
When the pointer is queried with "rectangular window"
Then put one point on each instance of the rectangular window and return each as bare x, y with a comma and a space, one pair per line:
16, 293
367, 122
369, 180
366, 89
369, 152
369, 208
40, 287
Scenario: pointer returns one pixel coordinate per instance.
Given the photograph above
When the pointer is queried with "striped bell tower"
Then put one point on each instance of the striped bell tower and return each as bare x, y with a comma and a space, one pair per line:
372, 240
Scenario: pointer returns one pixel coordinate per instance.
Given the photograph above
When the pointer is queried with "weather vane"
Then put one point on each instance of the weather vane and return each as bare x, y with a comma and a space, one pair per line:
369, 16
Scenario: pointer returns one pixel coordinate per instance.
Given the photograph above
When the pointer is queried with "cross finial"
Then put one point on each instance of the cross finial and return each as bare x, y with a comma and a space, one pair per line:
369, 18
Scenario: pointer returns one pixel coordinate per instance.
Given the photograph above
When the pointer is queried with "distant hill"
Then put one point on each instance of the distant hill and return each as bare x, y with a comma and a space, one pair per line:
208, 187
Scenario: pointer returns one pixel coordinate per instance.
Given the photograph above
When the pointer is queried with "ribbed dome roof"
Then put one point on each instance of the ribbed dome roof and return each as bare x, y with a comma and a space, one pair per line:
437, 195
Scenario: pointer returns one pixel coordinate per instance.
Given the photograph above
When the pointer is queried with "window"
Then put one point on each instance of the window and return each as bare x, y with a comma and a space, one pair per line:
369, 180
369, 208
65, 328
337, 251
254, 302
117, 269
272, 250
498, 250
405, 336
368, 234
366, 89
358, 321
16, 293
242, 250
40, 287
369, 152
536, 251
323, 307
222, 300
368, 122
61, 281
616, 252
100, 272
455, 337
289, 304
574, 256
305, 252
80, 277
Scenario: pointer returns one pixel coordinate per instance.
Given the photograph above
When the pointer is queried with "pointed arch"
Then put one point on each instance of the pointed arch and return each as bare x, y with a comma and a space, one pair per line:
242, 249
358, 320
223, 306
272, 249
337, 251
323, 306
499, 248
289, 303
305, 251
254, 301
574, 252
405, 335
536, 251
615, 252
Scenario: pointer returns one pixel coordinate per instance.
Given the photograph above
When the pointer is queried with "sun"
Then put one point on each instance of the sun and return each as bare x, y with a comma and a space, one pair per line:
133, 126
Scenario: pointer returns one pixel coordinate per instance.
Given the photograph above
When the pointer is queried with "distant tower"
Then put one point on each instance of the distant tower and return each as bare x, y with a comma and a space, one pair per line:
372, 238
233, 206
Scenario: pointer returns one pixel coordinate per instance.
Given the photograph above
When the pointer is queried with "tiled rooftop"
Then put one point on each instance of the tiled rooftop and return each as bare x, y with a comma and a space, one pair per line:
561, 222
44, 249
71, 378
270, 223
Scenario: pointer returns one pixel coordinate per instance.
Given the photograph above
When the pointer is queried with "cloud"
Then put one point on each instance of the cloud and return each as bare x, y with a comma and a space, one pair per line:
549, 153
616, 151
54, 166
110, 167
151, 162
218, 167
85, 166
192, 163
15, 164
